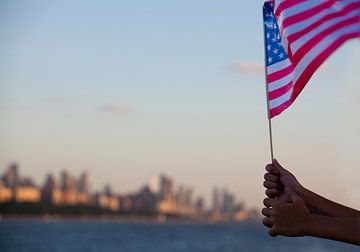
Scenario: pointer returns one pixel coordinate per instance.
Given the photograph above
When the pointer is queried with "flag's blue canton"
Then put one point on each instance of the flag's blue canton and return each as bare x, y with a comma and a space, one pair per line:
274, 50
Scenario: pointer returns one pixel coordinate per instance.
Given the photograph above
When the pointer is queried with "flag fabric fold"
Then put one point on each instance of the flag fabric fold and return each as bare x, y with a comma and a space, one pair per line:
299, 36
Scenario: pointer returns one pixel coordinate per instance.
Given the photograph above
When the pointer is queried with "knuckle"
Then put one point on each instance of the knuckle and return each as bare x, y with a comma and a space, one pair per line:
270, 177
268, 192
269, 184
273, 232
267, 222
263, 211
266, 175
269, 167
265, 201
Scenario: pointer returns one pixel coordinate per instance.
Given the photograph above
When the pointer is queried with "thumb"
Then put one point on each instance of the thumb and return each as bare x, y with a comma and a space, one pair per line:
278, 167
294, 197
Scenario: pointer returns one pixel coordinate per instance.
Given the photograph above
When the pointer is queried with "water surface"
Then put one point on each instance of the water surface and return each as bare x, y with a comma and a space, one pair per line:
36, 235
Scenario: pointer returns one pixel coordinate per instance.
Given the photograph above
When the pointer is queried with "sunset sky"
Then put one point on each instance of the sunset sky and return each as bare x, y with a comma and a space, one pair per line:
130, 89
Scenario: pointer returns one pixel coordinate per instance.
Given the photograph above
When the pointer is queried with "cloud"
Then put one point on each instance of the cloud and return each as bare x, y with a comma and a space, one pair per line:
256, 68
116, 109
249, 67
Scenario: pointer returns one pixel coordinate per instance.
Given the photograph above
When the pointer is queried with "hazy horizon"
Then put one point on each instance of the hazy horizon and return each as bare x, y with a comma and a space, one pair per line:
127, 90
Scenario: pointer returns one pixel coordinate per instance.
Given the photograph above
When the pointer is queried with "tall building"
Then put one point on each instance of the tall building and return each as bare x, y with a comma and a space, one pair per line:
228, 202
181, 196
68, 188
107, 199
67, 182
199, 205
223, 201
11, 176
217, 202
107, 190
83, 194
21, 190
51, 192
145, 200
188, 197
166, 188
50, 183
83, 183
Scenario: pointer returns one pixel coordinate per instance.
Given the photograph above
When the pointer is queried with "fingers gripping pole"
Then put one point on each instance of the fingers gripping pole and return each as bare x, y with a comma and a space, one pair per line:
271, 145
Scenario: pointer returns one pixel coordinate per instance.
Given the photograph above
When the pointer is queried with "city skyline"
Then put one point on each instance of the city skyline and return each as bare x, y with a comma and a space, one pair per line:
159, 198
65, 180
128, 89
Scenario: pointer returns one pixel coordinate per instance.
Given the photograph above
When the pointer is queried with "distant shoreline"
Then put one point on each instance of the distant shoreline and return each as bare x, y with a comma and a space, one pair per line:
116, 219
102, 218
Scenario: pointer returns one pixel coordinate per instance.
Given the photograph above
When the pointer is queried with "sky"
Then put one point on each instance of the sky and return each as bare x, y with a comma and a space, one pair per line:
131, 89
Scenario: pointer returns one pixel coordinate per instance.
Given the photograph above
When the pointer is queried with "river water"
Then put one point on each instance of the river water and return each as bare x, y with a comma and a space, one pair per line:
37, 235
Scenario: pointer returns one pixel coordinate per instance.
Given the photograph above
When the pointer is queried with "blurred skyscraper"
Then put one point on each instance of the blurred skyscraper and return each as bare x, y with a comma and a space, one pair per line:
166, 188
66, 183
83, 183
68, 187
11, 176
216, 206
51, 192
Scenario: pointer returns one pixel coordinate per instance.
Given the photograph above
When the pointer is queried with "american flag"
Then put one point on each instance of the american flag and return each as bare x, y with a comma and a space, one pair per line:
299, 36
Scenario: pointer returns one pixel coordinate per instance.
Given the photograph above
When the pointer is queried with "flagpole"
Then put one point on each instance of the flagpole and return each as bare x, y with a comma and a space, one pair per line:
269, 117
271, 141
267, 97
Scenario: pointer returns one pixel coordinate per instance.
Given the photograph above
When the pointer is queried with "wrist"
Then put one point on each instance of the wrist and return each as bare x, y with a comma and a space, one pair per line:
300, 190
306, 225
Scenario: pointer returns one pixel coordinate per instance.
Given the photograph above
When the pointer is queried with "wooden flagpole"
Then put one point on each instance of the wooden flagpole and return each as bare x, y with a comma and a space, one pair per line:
271, 141
269, 117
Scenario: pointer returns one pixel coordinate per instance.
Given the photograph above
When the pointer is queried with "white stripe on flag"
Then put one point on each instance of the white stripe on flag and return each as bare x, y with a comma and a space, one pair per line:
280, 83
296, 45
280, 100
309, 21
306, 5
278, 66
319, 48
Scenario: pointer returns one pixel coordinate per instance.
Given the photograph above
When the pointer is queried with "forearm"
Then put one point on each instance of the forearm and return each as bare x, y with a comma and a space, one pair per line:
345, 230
322, 206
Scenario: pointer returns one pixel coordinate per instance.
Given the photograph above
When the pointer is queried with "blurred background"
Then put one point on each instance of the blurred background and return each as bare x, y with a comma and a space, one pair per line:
156, 110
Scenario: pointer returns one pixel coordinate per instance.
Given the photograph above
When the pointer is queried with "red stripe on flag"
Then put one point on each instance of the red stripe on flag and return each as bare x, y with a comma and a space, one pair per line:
280, 74
287, 4
315, 64
305, 14
346, 10
280, 91
320, 36
276, 111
